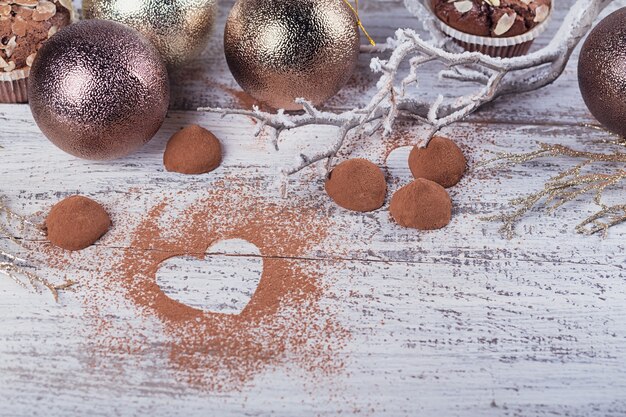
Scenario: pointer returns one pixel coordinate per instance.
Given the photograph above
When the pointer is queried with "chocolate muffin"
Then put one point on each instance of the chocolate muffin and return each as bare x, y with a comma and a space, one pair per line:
494, 18
24, 26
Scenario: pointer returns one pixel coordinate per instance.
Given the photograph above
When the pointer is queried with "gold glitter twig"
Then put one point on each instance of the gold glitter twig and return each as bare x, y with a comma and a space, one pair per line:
567, 186
612, 216
12, 267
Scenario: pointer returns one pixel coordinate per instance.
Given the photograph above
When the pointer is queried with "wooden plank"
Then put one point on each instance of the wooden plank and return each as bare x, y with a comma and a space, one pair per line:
370, 237
484, 338
454, 322
463, 319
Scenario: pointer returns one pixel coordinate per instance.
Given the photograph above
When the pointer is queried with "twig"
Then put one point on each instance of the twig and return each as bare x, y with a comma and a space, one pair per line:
613, 216
567, 186
13, 266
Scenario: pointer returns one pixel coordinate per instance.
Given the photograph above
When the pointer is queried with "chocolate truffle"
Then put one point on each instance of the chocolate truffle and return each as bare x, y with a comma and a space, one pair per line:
358, 185
442, 161
492, 18
76, 223
422, 205
194, 150
24, 26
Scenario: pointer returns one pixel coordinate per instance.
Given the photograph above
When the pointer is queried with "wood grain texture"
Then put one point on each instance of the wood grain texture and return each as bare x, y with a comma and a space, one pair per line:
457, 322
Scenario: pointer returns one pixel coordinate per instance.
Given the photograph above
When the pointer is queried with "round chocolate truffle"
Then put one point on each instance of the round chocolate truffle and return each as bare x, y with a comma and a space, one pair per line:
358, 185
76, 223
442, 161
194, 150
602, 72
422, 205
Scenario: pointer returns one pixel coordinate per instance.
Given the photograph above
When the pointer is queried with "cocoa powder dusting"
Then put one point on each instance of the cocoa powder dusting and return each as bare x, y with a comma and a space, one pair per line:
284, 322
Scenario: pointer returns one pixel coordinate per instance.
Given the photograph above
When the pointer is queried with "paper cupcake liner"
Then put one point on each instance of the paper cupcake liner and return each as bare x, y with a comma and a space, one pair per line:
497, 51
497, 47
14, 86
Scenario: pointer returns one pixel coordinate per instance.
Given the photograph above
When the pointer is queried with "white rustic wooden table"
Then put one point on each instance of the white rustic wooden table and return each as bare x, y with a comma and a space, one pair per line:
456, 322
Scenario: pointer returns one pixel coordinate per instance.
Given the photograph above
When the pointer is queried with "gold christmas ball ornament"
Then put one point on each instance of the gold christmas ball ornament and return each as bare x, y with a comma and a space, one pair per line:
180, 29
99, 90
281, 50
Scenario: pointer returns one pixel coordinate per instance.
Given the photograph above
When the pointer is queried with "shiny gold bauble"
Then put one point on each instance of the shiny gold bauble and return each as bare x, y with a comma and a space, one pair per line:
180, 29
281, 50
98, 89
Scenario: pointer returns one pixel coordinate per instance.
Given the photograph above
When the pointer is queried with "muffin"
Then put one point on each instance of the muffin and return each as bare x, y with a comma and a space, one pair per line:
24, 26
503, 28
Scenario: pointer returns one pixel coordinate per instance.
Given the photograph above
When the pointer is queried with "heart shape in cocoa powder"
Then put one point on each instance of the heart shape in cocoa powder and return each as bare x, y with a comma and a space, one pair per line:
283, 321
222, 281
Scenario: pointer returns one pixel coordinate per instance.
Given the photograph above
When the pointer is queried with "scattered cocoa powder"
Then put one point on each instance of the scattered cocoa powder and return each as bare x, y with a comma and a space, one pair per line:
76, 223
224, 351
442, 161
193, 151
400, 137
284, 324
358, 185
422, 205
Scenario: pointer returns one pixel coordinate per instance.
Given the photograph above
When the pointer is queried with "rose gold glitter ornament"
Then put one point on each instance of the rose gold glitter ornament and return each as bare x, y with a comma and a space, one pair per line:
602, 72
99, 90
280, 50
180, 29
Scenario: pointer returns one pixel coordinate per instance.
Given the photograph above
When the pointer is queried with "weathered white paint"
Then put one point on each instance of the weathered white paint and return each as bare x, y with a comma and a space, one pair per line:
457, 322
217, 283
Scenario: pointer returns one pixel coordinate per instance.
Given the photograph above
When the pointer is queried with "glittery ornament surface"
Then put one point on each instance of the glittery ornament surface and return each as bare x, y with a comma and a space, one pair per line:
180, 29
602, 72
99, 90
280, 50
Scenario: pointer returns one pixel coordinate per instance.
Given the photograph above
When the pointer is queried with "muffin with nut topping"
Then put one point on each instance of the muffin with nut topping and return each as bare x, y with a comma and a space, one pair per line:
24, 26
503, 28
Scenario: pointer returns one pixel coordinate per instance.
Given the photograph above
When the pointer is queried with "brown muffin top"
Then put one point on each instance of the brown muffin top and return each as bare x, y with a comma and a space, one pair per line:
494, 18
25, 25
